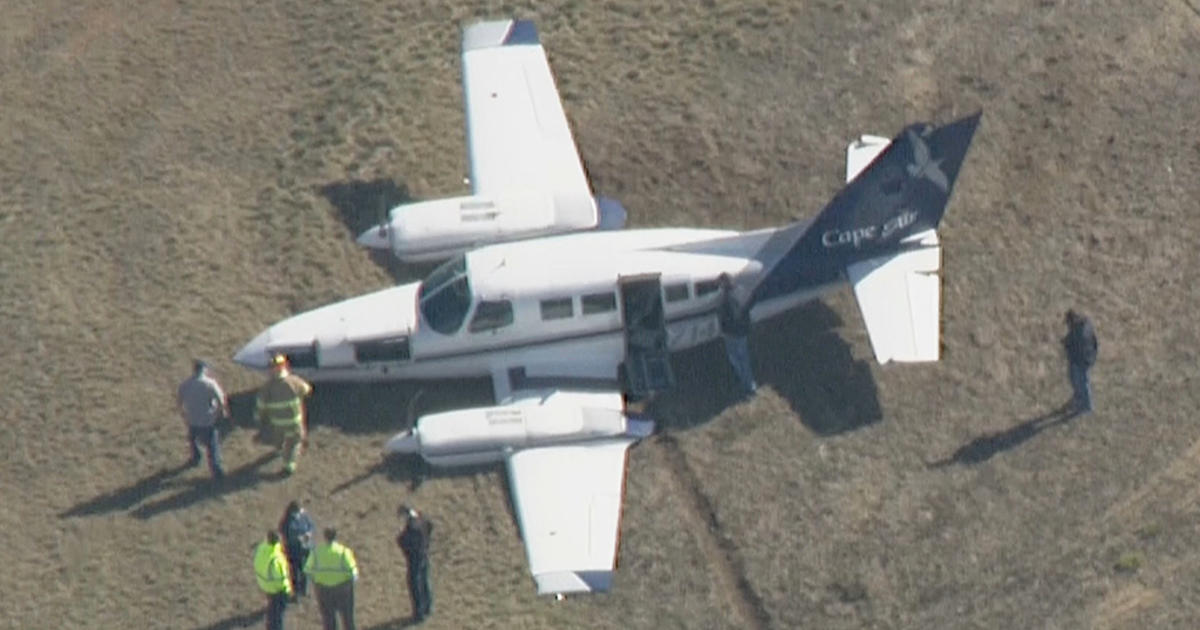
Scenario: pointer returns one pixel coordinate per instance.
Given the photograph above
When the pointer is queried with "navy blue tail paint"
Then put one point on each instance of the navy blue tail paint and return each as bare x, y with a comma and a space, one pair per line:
903, 192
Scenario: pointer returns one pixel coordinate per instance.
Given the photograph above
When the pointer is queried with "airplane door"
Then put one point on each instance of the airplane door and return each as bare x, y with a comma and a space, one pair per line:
647, 366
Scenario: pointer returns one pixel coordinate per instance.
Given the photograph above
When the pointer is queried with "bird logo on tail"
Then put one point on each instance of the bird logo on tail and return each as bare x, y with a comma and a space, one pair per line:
923, 167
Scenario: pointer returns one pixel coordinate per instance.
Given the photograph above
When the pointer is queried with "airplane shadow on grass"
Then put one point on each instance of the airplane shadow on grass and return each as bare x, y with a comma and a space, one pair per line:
800, 355
362, 205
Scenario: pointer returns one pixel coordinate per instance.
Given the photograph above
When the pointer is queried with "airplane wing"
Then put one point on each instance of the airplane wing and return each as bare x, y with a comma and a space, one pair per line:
517, 132
567, 496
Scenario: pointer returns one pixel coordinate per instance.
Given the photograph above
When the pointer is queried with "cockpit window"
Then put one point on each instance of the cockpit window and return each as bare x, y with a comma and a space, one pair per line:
445, 296
491, 315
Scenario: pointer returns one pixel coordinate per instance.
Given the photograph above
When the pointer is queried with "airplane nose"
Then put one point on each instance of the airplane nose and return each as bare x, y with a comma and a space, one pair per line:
403, 443
375, 238
254, 354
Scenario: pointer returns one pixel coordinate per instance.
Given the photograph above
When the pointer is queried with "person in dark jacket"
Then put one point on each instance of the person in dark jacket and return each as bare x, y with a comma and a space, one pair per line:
1082, 347
734, 319
414, 541
296, 529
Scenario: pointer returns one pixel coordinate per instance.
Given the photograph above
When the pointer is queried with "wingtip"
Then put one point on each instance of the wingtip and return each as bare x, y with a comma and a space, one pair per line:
497, 33
521, 32
567, 582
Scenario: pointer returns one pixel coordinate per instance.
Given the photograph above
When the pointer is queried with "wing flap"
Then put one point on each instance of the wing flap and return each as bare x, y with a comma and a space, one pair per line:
900, 300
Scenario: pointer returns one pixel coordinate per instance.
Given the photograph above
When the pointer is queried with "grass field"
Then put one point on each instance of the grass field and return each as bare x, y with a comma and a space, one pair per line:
176, 175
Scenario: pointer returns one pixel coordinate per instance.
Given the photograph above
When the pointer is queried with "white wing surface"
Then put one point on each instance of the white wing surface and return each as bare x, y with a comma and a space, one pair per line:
568, 501
518, 138
567, 486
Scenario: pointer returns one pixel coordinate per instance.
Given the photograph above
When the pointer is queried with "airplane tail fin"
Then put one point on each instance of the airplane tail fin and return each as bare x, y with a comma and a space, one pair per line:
879, 232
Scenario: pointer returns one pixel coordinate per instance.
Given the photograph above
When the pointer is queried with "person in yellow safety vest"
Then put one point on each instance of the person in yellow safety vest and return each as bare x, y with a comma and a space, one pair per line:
280, 404
331, 566
271, 569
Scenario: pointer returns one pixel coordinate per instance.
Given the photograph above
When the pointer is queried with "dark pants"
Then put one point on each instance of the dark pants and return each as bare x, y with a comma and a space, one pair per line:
418, 587
211, 439
334, 601
737, 348
1082, 397
276, 604
297, 555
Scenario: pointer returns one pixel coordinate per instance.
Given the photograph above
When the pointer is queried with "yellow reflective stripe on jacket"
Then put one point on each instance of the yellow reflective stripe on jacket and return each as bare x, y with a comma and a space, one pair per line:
279, 402
331, 564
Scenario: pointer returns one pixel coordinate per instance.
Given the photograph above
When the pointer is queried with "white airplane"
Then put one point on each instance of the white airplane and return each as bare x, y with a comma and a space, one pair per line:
527, 179
566, 325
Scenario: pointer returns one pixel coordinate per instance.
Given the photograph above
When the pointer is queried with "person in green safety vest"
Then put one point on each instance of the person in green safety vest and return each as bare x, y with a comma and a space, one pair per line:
271, 569
332, 568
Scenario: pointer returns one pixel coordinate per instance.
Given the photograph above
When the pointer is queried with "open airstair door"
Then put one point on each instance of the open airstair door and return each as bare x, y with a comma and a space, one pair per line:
900, 299
647, 365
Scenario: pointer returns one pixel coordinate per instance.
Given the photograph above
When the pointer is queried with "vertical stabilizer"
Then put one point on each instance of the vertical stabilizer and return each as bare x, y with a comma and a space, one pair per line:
902, 192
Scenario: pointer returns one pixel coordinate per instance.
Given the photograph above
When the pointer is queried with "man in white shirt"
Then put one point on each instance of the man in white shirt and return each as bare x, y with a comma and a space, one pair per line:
202, 403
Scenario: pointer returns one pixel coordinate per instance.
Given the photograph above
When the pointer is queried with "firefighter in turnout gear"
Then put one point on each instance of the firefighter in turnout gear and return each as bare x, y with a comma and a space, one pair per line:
280, 407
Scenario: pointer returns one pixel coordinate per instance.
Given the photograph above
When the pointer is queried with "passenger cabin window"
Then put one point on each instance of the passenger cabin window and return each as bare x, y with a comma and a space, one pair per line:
391, 349
705, 287
491, 315
675, 292
598, 303
560, 308
445, 296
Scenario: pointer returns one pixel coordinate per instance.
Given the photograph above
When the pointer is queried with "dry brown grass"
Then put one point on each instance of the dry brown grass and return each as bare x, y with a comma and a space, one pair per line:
161, 159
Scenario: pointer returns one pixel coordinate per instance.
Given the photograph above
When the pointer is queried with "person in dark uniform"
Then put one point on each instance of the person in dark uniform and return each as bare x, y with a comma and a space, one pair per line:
296, 529
1081, 346
734, 319
414, 541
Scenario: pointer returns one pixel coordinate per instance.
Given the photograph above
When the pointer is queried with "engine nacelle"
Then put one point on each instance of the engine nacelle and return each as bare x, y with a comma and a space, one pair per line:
487, 434
441, 228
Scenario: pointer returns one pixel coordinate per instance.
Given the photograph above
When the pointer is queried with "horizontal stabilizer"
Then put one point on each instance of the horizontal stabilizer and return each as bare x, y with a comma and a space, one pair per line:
861, 152
900, 300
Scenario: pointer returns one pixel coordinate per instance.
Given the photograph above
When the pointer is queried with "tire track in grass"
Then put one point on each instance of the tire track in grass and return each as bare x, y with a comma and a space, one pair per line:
727, 566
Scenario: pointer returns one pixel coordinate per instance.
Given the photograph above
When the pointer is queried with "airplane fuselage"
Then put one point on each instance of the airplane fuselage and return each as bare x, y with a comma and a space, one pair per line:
515, 305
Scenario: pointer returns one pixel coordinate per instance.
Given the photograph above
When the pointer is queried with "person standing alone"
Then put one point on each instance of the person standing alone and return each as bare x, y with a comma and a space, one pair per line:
1082, 347
202, 402
734, 320
414, 541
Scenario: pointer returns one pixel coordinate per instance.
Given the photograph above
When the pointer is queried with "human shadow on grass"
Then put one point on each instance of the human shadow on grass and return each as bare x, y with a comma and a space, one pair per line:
363, 205
245, 476
129, 496
244, 620
241, 407
395, 624
800, 355
986, 446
